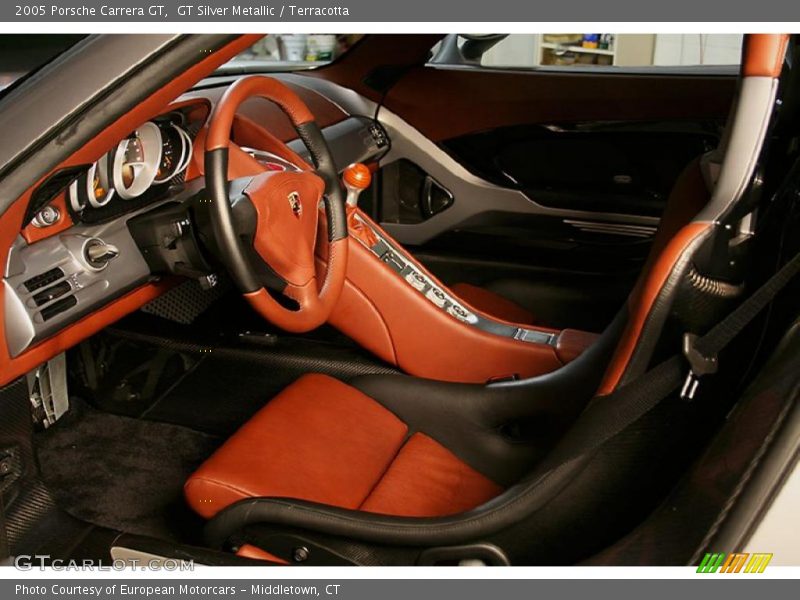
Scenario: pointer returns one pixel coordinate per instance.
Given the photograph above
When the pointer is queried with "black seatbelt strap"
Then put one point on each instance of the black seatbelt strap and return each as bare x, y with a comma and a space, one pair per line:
608, 415
702, 352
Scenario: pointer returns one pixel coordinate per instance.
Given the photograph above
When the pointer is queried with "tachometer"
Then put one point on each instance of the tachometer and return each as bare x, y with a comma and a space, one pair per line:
136, 161
92, 188
176, 152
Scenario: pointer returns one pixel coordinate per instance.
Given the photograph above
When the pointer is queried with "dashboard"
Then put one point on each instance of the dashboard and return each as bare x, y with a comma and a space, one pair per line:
98, 231
58, 279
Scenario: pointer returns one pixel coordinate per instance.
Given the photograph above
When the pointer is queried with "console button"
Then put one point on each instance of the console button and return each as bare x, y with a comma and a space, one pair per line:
379, 136
459, 312
436, 296
40, 281
56, 308
416, 280
391, 259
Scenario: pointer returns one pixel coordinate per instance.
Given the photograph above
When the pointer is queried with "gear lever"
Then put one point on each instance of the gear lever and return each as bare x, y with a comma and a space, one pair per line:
357, 178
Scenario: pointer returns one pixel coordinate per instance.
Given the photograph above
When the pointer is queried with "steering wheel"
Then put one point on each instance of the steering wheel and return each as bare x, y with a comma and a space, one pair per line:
265, 226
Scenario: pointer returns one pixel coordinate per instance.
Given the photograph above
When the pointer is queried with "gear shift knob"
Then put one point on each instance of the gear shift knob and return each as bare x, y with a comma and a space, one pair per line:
357, 178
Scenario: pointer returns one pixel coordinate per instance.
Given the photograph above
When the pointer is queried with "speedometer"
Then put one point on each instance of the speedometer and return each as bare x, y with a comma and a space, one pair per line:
136, 161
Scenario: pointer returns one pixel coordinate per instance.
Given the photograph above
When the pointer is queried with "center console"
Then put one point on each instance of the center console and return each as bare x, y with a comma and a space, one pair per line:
395, 308
393, 256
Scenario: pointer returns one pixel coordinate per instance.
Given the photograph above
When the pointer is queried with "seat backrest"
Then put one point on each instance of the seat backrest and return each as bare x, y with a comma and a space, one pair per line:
692, 214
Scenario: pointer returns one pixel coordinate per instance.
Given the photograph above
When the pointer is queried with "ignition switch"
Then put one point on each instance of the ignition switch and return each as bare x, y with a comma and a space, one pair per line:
98, 254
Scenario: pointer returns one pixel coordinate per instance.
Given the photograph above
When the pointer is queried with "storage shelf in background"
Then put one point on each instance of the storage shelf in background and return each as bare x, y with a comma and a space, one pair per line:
565, 48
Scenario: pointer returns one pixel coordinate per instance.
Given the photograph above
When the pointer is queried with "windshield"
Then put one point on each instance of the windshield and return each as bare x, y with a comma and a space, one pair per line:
290, 52
21, 55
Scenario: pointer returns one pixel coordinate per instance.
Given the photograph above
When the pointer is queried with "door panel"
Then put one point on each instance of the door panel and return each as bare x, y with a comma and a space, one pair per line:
545, 187
608, 167
445, 102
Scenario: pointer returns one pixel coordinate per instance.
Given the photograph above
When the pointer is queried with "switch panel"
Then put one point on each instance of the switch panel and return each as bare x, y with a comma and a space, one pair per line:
413, 275
58, 280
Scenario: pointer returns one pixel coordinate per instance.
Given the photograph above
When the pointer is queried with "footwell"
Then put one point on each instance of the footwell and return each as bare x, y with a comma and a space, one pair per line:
123, 473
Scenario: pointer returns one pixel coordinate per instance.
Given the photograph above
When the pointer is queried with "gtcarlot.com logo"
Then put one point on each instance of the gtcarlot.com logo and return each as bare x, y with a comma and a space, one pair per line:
28, 562
736, 562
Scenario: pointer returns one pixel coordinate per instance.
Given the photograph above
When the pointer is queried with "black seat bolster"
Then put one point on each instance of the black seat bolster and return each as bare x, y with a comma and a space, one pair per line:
496, 515
502, 430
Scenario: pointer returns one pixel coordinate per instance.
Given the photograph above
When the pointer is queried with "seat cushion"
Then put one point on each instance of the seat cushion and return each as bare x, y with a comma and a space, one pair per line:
493, 304
324, 441
318, 440
426, 479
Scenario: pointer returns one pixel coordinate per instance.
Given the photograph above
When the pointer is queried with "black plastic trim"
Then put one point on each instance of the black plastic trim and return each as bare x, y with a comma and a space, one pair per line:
489, 554
325, 165
232, 250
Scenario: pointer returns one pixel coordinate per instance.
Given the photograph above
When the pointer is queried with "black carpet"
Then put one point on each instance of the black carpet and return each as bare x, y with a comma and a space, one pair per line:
123, 473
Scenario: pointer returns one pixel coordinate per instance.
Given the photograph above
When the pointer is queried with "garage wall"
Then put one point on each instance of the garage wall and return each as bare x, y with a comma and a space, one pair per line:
697, 49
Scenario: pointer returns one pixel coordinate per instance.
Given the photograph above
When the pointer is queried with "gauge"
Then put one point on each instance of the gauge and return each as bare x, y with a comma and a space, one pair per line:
270, 161
91, 187
136, 161
176, 153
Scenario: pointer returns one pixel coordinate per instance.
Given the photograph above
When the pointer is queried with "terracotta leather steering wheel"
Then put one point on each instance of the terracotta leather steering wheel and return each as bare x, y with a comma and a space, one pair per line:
266, 226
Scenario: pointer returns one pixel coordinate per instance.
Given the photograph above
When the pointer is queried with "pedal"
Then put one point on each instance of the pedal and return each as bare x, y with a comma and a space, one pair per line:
47, 389
259, 339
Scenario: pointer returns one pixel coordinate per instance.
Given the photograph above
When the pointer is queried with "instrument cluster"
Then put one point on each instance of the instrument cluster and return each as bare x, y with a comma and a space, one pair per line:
155, 153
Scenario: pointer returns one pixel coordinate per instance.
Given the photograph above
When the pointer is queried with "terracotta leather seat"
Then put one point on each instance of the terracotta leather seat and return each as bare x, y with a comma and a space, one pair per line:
324, 441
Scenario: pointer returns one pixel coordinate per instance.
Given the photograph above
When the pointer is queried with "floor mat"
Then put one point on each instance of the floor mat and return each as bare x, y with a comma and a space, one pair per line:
219, 395
123, 473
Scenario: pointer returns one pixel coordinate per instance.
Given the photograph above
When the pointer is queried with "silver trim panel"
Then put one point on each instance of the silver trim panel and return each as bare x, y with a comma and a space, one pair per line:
91, 286
744, 143
638, 231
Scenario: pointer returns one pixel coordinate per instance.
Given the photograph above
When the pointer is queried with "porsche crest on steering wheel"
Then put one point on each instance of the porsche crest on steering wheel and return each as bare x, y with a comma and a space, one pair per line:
294, 203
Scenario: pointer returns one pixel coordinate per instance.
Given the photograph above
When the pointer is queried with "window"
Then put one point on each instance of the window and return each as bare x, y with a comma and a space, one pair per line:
289, 52
589, 49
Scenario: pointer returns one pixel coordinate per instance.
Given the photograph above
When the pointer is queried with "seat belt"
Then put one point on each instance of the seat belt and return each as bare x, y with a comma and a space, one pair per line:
608, 415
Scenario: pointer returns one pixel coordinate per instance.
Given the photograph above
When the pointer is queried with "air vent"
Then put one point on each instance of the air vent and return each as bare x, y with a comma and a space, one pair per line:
57, 308
52, 293
605, 228
45, 279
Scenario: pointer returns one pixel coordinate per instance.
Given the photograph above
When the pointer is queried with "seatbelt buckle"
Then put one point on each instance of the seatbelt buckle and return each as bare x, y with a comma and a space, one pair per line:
699, 365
